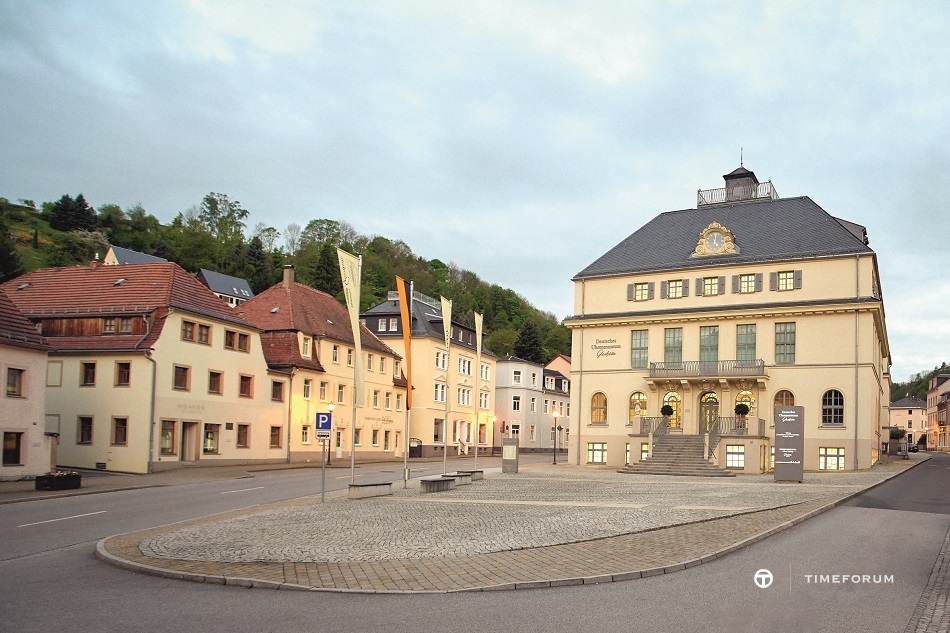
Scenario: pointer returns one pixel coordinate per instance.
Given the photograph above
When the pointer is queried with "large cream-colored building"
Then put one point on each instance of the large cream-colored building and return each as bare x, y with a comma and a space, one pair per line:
308, 341
441, 377
748, 298
149, 370
909, 414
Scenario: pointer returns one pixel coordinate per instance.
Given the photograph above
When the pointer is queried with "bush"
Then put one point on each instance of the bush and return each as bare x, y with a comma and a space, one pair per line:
742, 409
666, 410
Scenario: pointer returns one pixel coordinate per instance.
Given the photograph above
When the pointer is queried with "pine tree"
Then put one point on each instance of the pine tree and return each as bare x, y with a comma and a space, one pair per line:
326, 271
10, 264
529, 346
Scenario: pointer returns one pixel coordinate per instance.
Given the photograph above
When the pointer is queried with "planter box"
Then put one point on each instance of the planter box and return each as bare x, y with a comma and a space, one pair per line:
62, 482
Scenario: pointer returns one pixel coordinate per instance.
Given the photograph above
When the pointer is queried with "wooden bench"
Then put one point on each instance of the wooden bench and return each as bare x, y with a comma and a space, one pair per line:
461, 479
364, 491
437, 484
476, 474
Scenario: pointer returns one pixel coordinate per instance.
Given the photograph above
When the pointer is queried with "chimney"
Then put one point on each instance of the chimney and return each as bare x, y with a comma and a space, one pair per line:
288, 275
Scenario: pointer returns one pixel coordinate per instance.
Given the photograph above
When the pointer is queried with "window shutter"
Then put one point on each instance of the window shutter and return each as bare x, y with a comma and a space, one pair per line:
699, 286
722, 286
798, 280
662, 290
629, 292
686, 287
735, 284
758, 282
650, 288
773, 281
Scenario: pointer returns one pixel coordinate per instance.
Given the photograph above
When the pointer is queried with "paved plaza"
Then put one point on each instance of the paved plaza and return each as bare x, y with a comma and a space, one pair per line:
544, 526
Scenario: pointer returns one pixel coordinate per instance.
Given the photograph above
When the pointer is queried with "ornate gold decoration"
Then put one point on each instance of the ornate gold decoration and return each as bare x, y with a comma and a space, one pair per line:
715, 239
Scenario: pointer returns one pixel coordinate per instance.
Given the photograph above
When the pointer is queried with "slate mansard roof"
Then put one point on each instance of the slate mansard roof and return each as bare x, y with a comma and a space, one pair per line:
225, 284
128, 256
426, 317
765, 230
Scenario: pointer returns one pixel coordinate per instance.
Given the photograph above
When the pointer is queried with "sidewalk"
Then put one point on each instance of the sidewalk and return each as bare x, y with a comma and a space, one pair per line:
546, 526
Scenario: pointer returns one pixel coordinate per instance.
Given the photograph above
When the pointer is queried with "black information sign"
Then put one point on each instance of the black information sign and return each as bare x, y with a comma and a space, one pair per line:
789, 443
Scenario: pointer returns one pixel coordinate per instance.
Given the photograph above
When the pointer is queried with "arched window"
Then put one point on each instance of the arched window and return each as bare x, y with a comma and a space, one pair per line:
746, 397
784, 398
673, 399
598, 408
832, 408
638, 405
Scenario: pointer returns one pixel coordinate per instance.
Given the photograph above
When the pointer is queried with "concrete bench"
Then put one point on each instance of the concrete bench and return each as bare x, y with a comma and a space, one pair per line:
364, 491
437, 484
461, 479
476, 474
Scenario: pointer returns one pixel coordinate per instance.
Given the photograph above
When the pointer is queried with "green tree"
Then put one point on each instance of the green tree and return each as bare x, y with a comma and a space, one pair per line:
501, 342
528, 347
68, 214
10, 263
326, 271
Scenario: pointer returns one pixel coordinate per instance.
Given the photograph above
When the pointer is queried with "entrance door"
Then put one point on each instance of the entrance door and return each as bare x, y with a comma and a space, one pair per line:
189, 442
708, 411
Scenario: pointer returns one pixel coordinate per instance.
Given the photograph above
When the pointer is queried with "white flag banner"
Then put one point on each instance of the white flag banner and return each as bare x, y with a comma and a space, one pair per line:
447, 319
350, 274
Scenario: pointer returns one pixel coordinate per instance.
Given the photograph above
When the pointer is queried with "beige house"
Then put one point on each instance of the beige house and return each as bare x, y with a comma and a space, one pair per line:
149, 370
531, 402
747, 299
308, 341
938, 402
439, 376
909, 414
27, 449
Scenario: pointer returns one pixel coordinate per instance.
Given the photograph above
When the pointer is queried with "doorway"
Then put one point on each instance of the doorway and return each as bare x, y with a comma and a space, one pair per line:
708, 411
189, 442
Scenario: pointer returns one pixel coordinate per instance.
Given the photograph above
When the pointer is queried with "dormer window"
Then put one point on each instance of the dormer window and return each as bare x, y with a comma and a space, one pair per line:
305, 347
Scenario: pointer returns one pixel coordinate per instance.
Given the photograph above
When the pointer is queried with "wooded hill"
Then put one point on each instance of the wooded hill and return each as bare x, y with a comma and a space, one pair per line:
214, 235
918, 384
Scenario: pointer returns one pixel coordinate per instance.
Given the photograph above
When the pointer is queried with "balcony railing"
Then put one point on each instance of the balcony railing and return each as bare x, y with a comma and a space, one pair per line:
708, 368
762, 190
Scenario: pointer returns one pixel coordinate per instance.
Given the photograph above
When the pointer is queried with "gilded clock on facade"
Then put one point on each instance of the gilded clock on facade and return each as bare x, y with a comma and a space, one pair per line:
715, 239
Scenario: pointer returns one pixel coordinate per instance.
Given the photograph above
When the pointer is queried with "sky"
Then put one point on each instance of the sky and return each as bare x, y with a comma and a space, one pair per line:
518, 140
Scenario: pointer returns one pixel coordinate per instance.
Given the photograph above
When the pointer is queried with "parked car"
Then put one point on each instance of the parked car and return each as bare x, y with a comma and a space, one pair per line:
913, 448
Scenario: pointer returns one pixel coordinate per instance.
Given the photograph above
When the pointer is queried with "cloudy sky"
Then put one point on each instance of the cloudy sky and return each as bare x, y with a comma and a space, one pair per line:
520, 140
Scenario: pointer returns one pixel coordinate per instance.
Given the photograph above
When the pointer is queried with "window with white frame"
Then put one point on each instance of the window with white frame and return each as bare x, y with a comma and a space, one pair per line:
483, 401
516, 403
464, 396
305, 351
439, 395
349, 357
735, 456
465, 366
441, 359
341, 394
369, 362
516, 377
596, 452
392, 324
485, 372
830, 458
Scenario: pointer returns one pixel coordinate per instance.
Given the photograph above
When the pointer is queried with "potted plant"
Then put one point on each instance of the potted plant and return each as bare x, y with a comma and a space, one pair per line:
59, 480
666, 411
742, 410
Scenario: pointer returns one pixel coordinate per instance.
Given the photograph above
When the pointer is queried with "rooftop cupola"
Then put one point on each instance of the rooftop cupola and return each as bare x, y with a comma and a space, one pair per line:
741, 185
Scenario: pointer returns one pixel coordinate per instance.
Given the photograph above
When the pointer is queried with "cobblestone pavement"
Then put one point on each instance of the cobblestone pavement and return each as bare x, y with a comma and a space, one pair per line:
545, 526
932, 614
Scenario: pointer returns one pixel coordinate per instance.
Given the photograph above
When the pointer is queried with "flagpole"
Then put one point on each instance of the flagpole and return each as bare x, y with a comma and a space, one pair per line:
358, 353
408, 357
447, 330
478, 377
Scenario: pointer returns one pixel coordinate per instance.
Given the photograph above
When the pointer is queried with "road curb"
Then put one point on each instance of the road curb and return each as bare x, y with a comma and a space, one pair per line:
104, 555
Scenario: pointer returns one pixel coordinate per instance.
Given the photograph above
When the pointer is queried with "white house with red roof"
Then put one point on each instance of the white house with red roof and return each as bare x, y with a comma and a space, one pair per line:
308, 341
149, 370
26, 447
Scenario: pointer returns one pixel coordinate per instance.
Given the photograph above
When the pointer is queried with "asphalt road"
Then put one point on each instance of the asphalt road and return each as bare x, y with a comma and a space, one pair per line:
63, 587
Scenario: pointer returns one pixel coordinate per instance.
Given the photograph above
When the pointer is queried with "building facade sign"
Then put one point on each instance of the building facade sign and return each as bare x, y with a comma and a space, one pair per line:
789, 443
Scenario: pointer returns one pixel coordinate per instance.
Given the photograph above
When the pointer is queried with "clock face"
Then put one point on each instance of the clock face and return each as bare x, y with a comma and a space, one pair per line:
714, 241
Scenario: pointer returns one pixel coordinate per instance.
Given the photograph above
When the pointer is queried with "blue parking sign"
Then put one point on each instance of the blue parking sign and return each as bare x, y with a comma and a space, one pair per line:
324, 423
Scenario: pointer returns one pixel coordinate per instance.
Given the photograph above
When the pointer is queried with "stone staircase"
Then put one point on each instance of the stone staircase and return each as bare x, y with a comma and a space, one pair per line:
678, 455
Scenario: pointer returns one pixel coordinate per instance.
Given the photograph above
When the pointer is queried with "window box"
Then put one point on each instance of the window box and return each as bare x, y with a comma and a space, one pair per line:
58, 480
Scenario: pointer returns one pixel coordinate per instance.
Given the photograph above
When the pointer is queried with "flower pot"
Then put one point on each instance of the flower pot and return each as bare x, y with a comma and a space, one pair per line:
58, 482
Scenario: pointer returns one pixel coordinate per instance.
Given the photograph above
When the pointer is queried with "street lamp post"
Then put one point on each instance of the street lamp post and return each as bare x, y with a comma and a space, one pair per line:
554, 429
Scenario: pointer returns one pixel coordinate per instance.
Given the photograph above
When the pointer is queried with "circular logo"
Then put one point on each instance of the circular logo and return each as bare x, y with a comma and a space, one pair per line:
763, 578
